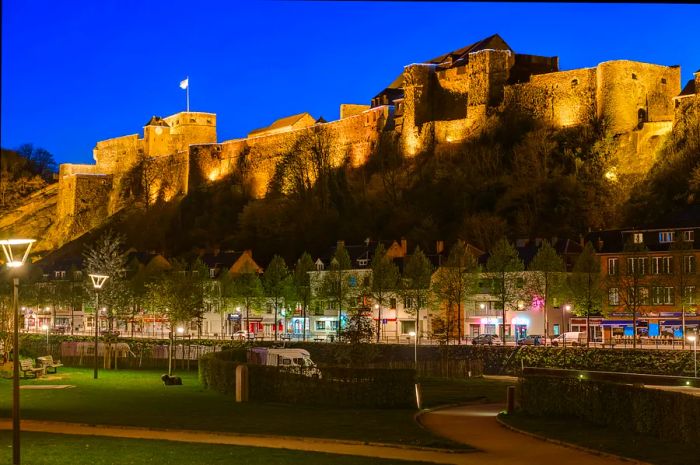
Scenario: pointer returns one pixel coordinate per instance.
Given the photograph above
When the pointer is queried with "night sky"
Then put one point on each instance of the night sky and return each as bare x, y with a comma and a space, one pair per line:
76, 72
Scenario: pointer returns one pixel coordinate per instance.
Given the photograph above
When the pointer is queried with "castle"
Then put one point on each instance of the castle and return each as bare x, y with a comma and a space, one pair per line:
440, 101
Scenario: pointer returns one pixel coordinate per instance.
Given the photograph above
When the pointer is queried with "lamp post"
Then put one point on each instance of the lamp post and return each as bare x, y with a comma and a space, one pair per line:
694, 340
98, 280
45, 327
16, 252
415, 348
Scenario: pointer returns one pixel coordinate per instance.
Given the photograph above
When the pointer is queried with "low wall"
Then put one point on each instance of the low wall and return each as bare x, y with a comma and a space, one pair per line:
669, 415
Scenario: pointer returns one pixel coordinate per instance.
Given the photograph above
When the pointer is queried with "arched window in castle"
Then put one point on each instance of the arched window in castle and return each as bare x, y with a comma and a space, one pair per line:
634, 76
641, 118
663, 80
574, 82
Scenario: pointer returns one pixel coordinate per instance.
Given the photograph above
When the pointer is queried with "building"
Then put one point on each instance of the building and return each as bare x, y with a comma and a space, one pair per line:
650, 273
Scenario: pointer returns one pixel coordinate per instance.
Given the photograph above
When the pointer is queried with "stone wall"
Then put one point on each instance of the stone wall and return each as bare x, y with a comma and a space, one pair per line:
255, 159
564, 98
626, 88
351, 109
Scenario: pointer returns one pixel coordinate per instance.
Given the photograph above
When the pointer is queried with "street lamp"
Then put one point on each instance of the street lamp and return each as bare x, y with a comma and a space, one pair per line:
694, 340
16, 252
98, 280
415, 348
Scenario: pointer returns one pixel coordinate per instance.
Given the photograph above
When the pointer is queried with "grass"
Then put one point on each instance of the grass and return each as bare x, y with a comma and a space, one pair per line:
614, 441
53, 449
138, 398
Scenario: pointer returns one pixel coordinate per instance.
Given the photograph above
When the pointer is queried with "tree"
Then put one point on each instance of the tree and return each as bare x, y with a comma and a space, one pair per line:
547, 279
584, 284
385, 277
681, 274
504, 266
247, 290
415, 284
106, 257
41, 160
360, 328
630, 288
178, 295
335, 285
454, 282
278, 284
302, 286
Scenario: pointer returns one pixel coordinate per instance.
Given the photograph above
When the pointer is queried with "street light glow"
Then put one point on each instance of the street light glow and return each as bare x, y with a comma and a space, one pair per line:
180, 330
691, 338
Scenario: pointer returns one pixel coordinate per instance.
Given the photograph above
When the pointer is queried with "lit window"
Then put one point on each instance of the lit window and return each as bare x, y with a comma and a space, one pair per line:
613, 266
662, 265
666, 236
636, 266
613, 296
689, 295
638, 238
689, 264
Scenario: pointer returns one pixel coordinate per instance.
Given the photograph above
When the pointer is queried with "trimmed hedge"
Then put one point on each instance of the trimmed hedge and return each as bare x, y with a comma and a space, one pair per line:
338, 387
217, 370
508, 360
668, 415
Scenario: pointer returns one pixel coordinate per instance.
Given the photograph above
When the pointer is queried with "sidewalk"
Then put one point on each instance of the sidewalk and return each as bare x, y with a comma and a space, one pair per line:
476, 425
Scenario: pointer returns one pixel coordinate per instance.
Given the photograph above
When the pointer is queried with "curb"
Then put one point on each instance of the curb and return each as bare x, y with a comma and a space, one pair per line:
568, 444
417, 415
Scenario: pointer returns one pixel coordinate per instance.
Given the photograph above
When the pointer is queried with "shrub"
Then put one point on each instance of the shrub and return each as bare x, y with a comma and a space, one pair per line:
217, 370
667, 415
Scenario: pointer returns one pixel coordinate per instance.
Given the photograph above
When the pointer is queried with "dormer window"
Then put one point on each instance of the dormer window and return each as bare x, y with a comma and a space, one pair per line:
666, 237
59, 274
638, 238
689, 236
319, 265
362, 261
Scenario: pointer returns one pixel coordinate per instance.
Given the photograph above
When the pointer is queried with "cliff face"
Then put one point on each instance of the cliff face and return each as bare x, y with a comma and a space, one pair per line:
35, 218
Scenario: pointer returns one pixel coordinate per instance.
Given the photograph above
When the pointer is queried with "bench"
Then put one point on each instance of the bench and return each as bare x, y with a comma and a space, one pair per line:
47, 363
26, 367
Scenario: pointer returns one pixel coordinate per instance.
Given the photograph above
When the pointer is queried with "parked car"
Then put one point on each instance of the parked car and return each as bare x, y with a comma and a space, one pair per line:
242, 335
531, 340
486, 339
106, 332
573, 338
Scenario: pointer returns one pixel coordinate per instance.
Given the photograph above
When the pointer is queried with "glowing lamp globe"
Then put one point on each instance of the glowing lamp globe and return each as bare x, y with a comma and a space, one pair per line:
16, 251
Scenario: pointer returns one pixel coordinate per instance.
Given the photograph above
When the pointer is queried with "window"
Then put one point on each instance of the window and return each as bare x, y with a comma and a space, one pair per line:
320, 325
663, 80
490, 329
662, 265
352, 281
59, 274
362, 262
519, 283
636, 266
613, 266
408, 326
638, 295
689, 236
334, 325
392, 303
638, 238
212, 272
78, 274
634, 76
574, 82
407, 302
613, 296
662, 296
689, 295
268, 308
666, 237
689, 264
319, 265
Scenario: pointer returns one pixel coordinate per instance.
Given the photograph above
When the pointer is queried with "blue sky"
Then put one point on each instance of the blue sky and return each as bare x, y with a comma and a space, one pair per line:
76, 72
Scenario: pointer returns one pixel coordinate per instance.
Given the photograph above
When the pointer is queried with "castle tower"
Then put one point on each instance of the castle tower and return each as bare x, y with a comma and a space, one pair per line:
189, 128
157, 139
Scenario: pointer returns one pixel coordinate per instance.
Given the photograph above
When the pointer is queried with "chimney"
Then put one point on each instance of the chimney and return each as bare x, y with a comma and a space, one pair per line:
439, 247
404, 247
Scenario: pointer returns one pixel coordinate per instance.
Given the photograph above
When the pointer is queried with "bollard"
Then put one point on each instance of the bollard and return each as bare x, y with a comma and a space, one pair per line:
241, 383
510, 400
418, 396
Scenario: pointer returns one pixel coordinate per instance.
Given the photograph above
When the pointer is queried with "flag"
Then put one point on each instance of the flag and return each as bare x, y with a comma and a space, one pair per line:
185, 83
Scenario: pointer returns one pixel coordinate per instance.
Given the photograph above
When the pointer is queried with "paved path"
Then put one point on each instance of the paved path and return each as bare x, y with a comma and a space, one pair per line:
476, 425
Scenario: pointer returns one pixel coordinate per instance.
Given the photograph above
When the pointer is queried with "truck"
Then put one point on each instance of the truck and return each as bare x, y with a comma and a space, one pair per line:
292, 360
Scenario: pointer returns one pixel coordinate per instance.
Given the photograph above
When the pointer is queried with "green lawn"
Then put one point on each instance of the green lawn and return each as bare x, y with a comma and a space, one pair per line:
138, 398
54, 449
635, 446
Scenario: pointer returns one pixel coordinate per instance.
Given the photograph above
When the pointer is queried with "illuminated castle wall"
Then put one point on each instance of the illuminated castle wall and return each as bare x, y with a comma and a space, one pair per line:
434, 103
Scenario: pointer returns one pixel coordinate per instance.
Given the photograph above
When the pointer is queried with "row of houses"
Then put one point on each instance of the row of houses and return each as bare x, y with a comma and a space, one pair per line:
660, 271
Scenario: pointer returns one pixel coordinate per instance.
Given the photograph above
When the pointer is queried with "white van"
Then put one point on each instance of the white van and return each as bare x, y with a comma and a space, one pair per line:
573, 338
295, 360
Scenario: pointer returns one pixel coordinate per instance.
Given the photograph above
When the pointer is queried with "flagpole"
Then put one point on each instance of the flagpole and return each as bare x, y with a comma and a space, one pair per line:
188, 94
